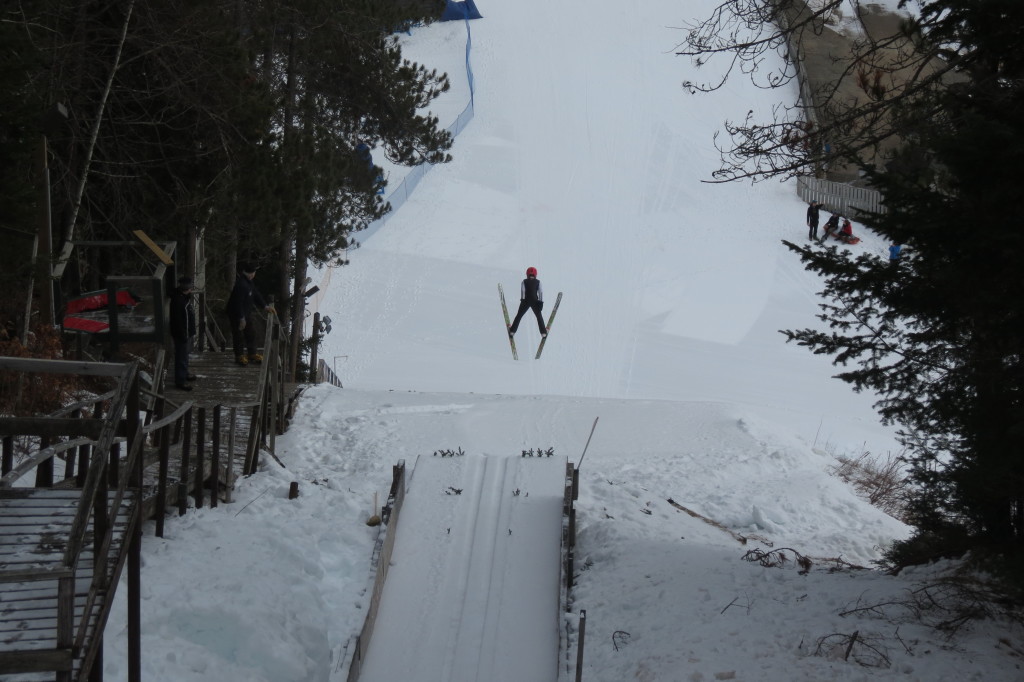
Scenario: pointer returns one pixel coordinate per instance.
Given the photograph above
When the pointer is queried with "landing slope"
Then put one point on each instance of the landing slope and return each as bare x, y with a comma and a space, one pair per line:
472, 593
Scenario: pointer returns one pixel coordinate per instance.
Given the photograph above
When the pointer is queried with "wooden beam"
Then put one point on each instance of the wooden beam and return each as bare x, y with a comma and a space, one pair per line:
39, 661
153, 246
36, 461
34, 574
50, 426
101, 369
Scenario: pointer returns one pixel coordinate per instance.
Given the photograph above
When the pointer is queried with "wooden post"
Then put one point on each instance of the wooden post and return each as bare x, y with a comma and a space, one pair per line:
162, 440
313, 348
44, 472
65, 620
161, 483
96, 674
579, 645
215, 458
186, 444
114, 465
201, 327
84, 456
252, 452
100, 523
229, 483
275, 385
8, 455
293, 490
135, 544
200, 456
71, 455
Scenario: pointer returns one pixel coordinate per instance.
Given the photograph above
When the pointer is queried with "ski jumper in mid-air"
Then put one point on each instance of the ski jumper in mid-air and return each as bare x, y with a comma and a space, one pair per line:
531, 297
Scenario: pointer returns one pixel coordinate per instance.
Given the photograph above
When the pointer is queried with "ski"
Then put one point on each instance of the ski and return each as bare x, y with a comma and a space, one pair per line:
508, 323
551, 319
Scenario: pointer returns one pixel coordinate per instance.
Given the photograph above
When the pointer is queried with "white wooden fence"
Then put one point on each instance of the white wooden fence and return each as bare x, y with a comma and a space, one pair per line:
839, 197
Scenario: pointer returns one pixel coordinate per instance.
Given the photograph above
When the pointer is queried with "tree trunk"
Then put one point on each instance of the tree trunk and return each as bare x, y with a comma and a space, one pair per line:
69, 228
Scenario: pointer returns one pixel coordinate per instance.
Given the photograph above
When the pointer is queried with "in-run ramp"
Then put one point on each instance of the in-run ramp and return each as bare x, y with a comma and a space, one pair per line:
473, 589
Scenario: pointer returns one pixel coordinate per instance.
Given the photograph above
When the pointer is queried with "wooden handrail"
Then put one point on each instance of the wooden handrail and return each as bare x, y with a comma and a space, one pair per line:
50, 426
169, 419
82, 403
97, 468
259, 405
35, 460
30, 365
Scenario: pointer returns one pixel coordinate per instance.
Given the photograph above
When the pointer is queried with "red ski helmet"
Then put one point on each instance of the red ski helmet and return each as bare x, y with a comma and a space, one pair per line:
531, 271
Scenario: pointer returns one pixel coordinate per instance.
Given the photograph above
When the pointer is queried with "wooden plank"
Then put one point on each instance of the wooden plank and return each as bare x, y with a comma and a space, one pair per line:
36, 661
153, 246
37, 460
50, 426
33, 574
15, 496
29, 365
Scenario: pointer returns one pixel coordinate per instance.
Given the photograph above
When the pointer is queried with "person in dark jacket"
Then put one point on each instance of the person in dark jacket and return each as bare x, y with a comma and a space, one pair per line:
183, 330
244, 296
813, 216
831, 227
531, 297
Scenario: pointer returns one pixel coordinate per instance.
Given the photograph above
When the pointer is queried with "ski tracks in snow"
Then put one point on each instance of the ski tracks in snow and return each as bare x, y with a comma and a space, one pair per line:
465, 598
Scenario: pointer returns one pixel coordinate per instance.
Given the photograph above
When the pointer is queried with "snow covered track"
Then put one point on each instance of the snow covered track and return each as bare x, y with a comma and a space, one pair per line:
473, 590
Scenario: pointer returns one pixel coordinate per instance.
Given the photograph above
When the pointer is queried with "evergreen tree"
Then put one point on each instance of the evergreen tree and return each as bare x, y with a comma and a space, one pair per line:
21, 137
239, 121
940, 335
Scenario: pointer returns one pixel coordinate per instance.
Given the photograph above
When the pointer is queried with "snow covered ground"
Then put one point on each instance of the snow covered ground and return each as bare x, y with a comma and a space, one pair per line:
585, 160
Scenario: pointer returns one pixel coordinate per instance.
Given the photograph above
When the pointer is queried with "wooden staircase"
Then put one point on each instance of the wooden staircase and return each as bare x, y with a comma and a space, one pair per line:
65, 542
62, 549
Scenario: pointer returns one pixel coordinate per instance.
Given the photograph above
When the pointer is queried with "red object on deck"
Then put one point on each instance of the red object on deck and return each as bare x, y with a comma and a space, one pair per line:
93, 301
84, 324
97, 300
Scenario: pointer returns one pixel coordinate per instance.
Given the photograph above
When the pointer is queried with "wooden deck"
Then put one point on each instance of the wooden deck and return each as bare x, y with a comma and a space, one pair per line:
219, 381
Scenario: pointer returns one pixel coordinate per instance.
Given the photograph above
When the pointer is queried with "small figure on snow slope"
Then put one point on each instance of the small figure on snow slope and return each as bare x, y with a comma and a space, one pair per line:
531, 297
831, 227
183, 330
813, 216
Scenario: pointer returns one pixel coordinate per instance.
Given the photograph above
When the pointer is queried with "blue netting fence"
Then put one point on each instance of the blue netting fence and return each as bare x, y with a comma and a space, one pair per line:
407, 186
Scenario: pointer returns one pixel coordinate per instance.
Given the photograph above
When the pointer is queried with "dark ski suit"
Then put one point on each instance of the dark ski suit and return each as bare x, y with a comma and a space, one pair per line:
183, 329
531, 297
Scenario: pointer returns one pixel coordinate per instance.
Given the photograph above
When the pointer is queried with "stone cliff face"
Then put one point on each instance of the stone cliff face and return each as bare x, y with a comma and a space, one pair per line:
838, 77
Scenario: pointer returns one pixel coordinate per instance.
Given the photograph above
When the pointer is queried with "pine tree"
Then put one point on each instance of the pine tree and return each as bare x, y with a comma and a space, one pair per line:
940, 335
240, 121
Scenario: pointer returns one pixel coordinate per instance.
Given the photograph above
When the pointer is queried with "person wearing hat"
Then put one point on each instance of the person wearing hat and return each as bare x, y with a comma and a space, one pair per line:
531, 297
183, 330
813, 216
243, 297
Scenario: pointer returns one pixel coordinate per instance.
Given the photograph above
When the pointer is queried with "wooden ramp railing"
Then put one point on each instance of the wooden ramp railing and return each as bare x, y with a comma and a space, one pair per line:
62, 549
127, 454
